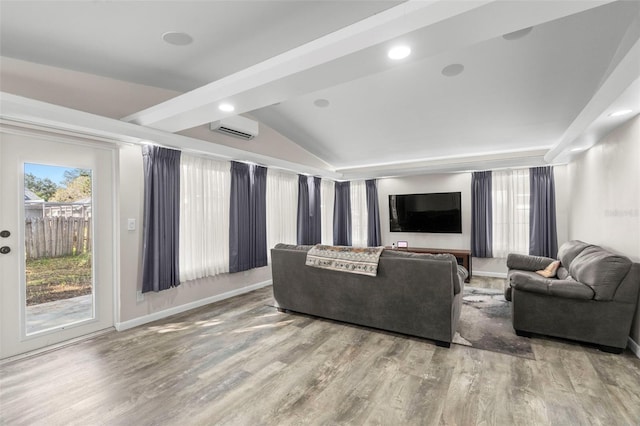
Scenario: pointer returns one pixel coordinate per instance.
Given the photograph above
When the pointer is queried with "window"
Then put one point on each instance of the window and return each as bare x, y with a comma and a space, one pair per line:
204, 217
327, 194
510, 193
282, 207
359, 214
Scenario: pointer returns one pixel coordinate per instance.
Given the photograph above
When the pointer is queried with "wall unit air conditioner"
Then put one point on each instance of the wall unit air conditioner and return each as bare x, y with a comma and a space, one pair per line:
237, 126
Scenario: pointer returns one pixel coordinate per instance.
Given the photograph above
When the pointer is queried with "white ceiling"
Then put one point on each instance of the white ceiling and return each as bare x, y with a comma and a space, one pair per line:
122, 39
515, 101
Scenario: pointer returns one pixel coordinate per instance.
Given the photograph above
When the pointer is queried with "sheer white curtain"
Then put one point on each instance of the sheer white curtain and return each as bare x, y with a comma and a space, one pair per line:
282, 208
327, 196
204, 217
359, 214
510, 193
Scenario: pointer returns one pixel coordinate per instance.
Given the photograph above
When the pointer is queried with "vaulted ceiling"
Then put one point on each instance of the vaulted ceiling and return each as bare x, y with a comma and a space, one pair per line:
488, 83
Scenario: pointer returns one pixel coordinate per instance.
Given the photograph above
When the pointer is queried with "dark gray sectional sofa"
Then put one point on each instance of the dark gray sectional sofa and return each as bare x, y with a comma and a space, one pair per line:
415, 294
592, 299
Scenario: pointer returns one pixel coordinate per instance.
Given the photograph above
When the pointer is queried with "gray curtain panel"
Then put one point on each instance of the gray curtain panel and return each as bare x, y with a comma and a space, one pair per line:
481, 215
239, 218
342, 214
309, 219
315, 221
259, 216
247, 217
374, 237
302, 231
161, 222
543, 238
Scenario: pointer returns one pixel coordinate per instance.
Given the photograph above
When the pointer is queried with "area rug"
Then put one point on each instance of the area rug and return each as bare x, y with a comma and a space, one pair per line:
485, 323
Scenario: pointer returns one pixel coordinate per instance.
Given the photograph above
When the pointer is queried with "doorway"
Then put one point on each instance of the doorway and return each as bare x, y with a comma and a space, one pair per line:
57, 240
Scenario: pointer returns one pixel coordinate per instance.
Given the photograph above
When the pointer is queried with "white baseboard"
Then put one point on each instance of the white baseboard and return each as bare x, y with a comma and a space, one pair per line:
490, 274
635, 348
121, 326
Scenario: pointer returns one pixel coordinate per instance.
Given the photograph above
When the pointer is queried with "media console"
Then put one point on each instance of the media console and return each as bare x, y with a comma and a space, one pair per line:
462, 256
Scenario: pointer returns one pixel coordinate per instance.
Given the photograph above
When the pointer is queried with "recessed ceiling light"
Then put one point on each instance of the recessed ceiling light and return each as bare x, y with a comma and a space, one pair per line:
452, 70
399, 52
177, 38
517, 34
226, 107
321, 103
620, 113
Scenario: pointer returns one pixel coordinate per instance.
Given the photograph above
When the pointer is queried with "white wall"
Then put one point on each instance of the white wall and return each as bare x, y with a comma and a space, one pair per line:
450, 182
605, 192
563, 194
459, 182
604, 207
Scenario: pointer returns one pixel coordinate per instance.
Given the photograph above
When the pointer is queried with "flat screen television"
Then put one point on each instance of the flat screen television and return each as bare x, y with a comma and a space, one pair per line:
436, 213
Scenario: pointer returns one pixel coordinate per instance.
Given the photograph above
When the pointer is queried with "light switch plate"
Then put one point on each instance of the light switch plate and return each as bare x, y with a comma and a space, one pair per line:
131, 224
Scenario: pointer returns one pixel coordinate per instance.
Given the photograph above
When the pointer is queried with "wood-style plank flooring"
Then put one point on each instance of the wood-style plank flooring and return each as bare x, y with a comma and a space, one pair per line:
239, 362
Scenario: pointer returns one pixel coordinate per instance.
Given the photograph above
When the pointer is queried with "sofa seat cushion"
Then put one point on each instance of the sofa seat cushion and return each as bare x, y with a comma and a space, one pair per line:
534, 283
601, 270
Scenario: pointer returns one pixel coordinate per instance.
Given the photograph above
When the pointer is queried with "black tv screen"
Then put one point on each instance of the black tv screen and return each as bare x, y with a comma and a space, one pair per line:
435, 213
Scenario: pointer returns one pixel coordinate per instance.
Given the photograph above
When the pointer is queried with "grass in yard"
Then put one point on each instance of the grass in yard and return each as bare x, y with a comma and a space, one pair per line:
57, 278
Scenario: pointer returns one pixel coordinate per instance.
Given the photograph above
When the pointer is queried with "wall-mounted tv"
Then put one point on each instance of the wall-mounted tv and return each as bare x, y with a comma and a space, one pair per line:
436, 213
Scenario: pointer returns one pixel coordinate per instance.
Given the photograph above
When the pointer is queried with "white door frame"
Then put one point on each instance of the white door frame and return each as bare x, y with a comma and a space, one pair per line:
60, 136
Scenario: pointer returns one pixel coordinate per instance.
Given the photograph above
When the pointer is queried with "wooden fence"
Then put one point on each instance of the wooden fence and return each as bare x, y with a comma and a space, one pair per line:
57, 236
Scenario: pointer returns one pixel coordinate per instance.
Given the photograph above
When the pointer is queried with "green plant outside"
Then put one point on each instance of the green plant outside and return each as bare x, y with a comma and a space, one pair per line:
51, 279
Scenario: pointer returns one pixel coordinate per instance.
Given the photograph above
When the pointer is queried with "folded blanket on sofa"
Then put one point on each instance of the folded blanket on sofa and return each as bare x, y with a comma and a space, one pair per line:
355, 260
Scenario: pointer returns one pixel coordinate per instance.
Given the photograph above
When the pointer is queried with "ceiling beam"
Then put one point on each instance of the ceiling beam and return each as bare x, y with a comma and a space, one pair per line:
29, 112
338, 57
619, 89
459, 163
190, 109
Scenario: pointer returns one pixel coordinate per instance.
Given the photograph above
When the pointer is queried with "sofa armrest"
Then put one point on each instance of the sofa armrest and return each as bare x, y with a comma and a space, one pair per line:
533, 283
527, 263
463, 274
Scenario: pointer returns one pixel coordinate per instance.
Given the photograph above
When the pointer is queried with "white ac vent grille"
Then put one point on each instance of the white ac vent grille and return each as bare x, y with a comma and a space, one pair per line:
237, 126
235, 133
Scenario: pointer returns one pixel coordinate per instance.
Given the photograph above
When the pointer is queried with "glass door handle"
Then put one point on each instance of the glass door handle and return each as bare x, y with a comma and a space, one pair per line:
5, 249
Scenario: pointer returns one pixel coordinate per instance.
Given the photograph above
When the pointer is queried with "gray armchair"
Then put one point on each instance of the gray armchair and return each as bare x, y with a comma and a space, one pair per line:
592, 299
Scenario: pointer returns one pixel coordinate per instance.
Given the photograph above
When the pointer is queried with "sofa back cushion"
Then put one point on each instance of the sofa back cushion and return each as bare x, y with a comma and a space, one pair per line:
569, 250
293, 247
455, 275
458, 275
601, 270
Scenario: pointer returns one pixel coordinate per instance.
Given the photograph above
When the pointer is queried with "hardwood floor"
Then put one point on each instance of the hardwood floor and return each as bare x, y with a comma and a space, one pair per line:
239, 362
